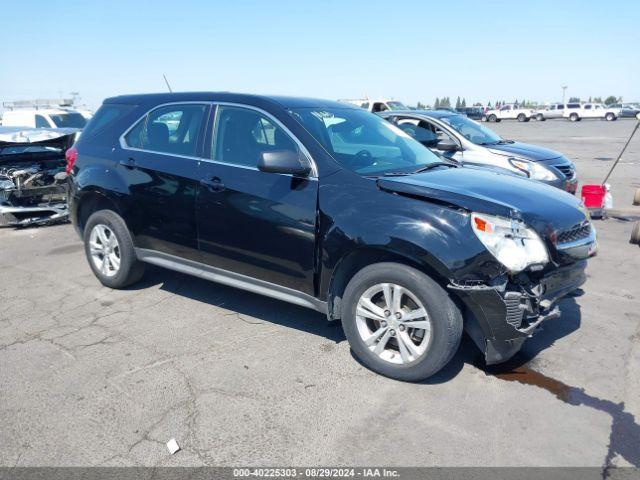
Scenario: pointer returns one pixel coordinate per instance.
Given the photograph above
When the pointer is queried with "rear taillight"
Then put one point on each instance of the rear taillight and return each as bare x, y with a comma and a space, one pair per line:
70, 156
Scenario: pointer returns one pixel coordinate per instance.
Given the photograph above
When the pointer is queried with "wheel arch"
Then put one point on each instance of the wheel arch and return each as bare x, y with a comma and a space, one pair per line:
91, 201
354, 261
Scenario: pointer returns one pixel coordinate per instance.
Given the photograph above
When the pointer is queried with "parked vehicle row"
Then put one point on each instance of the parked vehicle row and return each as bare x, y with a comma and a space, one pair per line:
328, 206
470, 143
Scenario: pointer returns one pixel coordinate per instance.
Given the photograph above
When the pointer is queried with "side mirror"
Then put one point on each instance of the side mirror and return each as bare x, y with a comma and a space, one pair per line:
447, 146
284, 161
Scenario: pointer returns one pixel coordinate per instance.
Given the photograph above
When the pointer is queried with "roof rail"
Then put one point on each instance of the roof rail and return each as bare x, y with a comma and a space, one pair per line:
39, 103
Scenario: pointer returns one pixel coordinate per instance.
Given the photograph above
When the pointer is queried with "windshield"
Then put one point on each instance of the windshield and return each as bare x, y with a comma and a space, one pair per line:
68, 120
472, 131
396, 106
364, 142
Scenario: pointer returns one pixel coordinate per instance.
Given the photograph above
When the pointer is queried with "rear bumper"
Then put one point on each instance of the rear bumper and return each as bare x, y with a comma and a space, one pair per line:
500, 318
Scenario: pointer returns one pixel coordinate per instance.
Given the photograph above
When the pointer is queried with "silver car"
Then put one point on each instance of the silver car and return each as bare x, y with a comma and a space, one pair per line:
463, 140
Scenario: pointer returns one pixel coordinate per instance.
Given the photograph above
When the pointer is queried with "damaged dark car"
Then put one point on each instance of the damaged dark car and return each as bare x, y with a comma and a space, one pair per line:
33, 185
329, 207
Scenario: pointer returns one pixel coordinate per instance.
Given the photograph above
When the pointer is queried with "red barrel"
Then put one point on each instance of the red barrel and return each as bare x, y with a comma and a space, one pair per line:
593, 196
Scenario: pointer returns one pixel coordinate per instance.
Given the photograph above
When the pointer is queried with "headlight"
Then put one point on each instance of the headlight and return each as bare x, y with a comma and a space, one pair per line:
512, 243
533, 170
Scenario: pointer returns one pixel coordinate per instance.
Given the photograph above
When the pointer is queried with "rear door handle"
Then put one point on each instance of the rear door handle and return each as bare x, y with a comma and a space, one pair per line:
129, 162
214, 184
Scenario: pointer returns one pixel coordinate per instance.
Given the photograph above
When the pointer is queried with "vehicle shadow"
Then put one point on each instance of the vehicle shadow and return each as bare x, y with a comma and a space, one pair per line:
544, 338
260, 309
257, 308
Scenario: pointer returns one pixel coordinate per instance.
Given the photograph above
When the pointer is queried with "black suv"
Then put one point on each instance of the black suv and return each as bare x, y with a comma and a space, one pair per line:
330, 207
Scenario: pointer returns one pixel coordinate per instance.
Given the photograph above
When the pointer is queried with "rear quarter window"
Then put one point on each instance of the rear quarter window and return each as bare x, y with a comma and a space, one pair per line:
105, 117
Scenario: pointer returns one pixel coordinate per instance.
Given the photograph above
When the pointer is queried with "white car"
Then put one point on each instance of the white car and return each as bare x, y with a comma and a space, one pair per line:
376, 104
43, 118
592, 110
554, 110
509, 112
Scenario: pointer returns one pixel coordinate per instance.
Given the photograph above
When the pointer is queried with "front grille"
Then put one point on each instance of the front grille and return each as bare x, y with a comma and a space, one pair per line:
567, 170
574, 234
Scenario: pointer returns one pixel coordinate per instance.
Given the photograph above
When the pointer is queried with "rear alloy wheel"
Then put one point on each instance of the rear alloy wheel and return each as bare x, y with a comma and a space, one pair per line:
540, 117
574, 117
110, 251
399, 322
492, 118
105, 250
522, 117
609, 117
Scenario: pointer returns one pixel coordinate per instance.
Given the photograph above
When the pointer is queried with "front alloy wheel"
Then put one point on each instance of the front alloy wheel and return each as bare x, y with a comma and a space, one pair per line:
105, 250
393, 323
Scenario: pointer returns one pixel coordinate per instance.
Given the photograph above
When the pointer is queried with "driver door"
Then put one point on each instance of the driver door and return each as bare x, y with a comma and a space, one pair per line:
254, 223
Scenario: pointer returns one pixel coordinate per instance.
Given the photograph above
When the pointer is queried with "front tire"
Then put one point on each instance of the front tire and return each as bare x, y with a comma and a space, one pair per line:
574, 117
635, 233
492, 118
540, 117
609, 117
400, 322
110, 251
522, 117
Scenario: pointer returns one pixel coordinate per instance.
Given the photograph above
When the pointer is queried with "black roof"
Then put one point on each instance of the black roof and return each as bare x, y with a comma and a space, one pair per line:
250, 99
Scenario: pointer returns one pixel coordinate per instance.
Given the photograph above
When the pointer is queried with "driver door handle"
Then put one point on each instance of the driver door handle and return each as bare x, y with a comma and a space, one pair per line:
214, 184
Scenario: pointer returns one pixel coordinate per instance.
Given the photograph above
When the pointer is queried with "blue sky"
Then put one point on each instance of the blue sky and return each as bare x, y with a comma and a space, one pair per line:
409, 50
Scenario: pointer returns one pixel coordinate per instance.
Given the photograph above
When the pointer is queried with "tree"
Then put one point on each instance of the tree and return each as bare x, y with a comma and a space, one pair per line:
597, 99
574, 99
445, 102
590, 100
421, 106
436, 104
464, 103
458, 102
610, 99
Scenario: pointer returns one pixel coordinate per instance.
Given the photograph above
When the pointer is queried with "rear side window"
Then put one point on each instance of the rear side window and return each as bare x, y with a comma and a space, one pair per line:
171, 129
106, 116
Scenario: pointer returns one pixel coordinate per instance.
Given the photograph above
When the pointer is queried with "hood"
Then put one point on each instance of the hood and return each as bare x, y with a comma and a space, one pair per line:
31, 145
525, 150
540, 206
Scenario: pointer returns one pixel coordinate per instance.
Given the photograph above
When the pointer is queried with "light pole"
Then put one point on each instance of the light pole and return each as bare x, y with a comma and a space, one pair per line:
564, 90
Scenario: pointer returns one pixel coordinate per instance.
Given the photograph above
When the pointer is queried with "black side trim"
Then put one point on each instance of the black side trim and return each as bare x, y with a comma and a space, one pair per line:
232, 279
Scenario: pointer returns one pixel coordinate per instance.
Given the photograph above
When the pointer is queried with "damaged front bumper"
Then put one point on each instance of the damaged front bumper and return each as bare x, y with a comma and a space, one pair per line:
501, 317
33, 206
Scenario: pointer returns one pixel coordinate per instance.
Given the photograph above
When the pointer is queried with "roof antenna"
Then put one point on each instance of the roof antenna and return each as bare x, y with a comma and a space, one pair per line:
167, 82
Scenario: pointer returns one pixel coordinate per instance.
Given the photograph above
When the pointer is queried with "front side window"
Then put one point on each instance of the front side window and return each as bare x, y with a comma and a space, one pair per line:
171, 129
396, 105
587, 107
472, 131
243, 135
68, 120
363, 142
41, 122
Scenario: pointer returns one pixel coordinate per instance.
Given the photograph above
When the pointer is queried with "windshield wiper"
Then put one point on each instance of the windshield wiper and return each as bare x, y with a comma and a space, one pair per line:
435, 164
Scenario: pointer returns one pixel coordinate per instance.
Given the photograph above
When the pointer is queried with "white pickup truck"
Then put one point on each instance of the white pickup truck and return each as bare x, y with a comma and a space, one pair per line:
592, 110
508, 112
376, 105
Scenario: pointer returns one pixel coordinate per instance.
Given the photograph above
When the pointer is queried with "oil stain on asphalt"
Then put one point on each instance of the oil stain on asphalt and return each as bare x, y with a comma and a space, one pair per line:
624, 439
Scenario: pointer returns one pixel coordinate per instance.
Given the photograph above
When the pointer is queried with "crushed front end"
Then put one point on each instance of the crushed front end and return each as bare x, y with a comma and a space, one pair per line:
33, 186
503, 313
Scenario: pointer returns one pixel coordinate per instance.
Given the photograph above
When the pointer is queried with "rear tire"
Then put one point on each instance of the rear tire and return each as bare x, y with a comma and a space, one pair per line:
421, 299
540, 117
636, 197
110, 251
574, 117
609, 117
492, 118
635, 233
